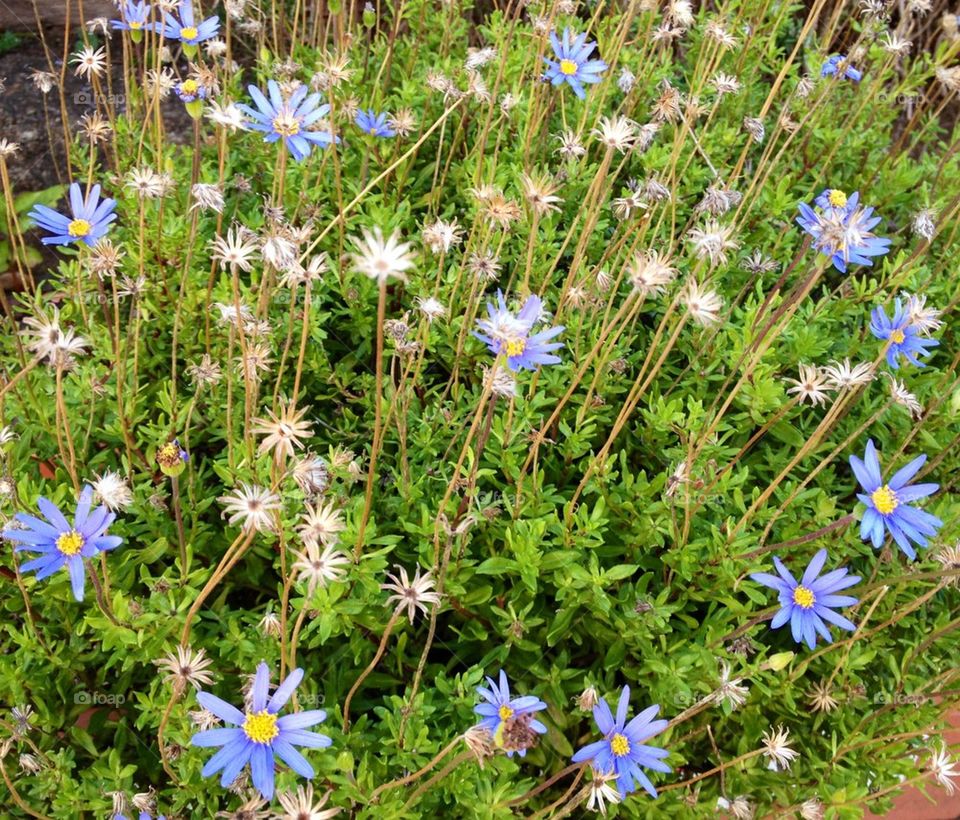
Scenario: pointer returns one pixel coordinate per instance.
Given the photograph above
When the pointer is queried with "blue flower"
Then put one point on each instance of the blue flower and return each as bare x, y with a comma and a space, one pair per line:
144, 815
837, 65
509, 334
622, 751
135, 17
290, 119
61, 543
91, 218
573, 64
835, 198
509, 720
841, 229
888, 504
372, 123
259, 734
901, 335
810, 602
190, 91
185, 28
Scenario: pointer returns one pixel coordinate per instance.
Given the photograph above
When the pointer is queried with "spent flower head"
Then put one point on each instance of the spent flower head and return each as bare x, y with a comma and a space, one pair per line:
411, 595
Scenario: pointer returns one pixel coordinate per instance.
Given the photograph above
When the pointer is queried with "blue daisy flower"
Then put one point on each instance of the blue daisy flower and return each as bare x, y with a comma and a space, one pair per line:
807, 604
573, 65
135, 17
837, 65
260, 733
91, 218
509, 720
842, 229
61, 543
902, 337
290, 119
185, 28
837, 199
888, 504
375, 124
144, 815
190, 91
510, 335
622, 751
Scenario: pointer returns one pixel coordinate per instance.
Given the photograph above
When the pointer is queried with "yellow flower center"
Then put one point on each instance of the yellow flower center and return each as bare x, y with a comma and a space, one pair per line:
169, 455
70, 543
885, 500
79, 228
515, 347
286, 125
505, 712
189, 87
568, 67
261, 727
135, 25
897, 337
837, 198
188, 33
620, 746
804, 597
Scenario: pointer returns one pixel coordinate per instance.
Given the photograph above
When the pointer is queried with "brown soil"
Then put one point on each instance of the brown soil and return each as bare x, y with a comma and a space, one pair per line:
25, 113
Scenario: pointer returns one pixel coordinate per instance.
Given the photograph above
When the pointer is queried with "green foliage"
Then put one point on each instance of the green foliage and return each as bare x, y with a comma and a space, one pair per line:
22, 204
589, 525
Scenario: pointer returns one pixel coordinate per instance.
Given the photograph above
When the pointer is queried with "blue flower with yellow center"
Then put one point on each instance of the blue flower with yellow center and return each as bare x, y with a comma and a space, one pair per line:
623, 749
63, 544
902, 337
135, 17
289, 119
511, 335
91, 218
509, 720
185, 28
376, 125
260, 734
573, 65
190, 91
832, 198
888, 504
842, 229
807, 604
838, 66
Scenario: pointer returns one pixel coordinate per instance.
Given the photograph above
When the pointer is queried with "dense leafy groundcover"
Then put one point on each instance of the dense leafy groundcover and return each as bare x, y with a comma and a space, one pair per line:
511, 410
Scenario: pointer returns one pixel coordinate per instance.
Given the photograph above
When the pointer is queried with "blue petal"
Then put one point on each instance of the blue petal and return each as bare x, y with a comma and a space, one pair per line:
261, 688
301, 720
221, 708
814, 567
77, 576
261, 770
904, 474
217, 737
292, 758
284, 691
240, 746
603, 717
590, 751
312, 740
